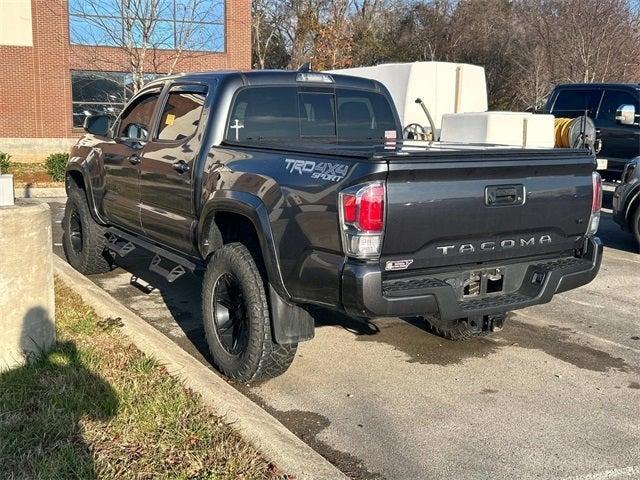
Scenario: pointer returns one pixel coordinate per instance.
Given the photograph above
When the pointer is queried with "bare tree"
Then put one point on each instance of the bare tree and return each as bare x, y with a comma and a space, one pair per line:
525, 46
333, 36
264, 29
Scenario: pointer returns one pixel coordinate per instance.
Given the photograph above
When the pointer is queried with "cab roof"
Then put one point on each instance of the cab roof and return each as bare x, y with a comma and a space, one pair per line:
274, 77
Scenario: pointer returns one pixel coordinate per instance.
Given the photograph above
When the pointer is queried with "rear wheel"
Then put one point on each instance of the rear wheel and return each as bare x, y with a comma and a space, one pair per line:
83, 239
236, 318
465, 328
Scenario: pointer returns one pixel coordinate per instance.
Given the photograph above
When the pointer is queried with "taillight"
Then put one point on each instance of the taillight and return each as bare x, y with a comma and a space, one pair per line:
362, 219
596, 203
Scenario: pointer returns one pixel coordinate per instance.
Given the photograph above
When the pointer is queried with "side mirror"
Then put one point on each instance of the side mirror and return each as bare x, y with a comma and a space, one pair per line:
97, 125
626, 115
135, 131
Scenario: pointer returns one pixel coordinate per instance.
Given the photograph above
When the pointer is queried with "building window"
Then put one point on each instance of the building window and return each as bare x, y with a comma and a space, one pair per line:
195, 25
99, 93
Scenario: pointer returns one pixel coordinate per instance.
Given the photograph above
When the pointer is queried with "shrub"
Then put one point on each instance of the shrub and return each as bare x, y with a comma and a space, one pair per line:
5, 162
56, 164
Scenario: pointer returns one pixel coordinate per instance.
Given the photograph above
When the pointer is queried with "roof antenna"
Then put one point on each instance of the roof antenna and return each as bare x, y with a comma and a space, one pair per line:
305, 67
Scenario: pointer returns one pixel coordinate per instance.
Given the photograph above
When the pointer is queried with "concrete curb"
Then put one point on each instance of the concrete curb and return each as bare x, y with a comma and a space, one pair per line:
255, 425
39, 192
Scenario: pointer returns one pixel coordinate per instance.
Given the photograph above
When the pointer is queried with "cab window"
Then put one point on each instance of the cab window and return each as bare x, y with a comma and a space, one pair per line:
136, 120
574, 103
317, 114
612, 100
181, 116
291, 114
264, 114
363, 116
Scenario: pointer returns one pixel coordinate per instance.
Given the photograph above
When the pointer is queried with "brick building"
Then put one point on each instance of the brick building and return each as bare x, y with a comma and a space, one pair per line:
63, 59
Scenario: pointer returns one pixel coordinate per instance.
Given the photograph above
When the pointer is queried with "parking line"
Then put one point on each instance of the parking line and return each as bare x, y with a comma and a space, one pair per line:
607, 474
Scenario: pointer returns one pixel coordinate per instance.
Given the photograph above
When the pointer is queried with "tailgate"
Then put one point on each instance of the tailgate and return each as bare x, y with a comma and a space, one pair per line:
454, 208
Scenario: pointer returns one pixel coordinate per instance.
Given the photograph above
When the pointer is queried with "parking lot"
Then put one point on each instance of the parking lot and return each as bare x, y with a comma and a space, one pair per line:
555, 394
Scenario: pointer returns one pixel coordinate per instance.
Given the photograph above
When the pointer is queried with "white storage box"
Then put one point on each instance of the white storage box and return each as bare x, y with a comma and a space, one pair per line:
444, 88
519, 129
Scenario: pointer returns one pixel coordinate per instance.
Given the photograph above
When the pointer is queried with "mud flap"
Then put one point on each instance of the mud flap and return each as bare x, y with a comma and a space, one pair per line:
289, 323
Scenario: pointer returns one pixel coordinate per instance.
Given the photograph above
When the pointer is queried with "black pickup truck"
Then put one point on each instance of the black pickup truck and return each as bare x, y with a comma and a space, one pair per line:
615, 111
288, 190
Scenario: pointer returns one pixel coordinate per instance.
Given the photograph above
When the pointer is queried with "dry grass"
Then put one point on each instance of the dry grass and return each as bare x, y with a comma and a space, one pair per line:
34, 174
96, 407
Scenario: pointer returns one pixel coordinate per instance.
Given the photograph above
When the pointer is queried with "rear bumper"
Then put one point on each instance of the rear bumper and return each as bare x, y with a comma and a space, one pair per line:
364, 293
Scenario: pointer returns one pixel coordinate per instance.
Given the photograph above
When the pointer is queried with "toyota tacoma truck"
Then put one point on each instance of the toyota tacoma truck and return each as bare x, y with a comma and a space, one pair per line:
289, 191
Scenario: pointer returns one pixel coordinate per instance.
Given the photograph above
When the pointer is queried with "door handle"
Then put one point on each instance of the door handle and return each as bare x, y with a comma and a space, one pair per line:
181, 167
504, 195
134, 159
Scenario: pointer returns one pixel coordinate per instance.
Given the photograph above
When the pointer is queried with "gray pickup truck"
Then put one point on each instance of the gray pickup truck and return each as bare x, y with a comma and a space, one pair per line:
287, 190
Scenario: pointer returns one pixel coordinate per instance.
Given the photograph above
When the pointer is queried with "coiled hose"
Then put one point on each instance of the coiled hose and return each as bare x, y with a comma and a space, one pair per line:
562, 127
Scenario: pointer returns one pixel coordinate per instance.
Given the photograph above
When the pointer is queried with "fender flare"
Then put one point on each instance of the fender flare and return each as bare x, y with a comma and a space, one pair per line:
633, 201
251, 207
88, 189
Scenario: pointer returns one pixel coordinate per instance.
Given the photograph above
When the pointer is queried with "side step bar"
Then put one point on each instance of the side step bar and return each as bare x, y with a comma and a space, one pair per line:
122, 243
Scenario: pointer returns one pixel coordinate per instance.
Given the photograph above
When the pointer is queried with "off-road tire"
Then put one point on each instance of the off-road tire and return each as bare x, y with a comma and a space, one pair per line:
455, 330
635, 224
262, 358
92, 257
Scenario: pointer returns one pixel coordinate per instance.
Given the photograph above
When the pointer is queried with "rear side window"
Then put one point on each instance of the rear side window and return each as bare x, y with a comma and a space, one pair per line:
291, 115
575, 102
612, 100
181, 116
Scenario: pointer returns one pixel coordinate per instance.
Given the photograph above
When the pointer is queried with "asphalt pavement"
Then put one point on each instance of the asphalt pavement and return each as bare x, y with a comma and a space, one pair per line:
555, 394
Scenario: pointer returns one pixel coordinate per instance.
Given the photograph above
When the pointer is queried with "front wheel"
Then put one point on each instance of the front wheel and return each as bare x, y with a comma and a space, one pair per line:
83, 239
236, 318
465, 328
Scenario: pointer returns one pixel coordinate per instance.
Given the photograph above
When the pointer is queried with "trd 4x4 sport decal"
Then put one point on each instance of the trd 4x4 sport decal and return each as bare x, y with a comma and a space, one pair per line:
333, 172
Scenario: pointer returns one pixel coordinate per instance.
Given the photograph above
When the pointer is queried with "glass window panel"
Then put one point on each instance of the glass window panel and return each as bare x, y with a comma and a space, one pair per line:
317, 115
612, 100
203, 37
136, 119
198, 26
110, 8
164, 10
162, 35
363, 116
181, 116
82, 110
97, 86
95, 31
575, 102
264, 114
208, 11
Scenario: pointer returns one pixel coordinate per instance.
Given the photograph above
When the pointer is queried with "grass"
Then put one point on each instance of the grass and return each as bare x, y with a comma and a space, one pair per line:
96, 407
31, 174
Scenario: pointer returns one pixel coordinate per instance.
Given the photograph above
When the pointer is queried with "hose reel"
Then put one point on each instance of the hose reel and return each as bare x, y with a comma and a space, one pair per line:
579, 132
